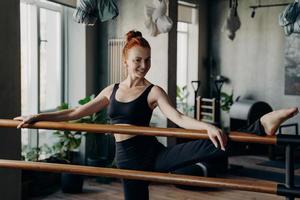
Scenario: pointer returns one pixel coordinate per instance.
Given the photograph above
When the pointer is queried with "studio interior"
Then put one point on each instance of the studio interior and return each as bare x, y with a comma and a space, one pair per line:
214, 67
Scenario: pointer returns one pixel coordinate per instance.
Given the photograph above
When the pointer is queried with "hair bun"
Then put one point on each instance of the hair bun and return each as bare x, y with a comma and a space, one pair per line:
133, 34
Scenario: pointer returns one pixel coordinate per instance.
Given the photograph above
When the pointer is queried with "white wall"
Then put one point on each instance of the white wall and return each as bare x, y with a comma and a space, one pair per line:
81, 62
75, 59
193, 59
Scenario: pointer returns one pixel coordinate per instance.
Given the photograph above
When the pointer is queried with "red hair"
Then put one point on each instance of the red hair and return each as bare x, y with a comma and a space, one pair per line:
134, 38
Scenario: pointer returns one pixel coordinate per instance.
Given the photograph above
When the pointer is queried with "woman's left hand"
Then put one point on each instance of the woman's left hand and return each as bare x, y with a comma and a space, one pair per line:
217, 136
25, 120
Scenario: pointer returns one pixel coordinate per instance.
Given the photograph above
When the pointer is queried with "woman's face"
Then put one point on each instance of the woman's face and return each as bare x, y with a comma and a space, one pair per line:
138, 61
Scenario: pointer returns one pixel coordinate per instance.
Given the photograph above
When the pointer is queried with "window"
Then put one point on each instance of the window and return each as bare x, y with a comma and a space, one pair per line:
41, 63
50, 70
187, 55
182, 53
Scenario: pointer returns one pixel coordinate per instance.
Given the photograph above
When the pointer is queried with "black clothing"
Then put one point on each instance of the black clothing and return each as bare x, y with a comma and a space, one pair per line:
256, 128
147, 154
136, 112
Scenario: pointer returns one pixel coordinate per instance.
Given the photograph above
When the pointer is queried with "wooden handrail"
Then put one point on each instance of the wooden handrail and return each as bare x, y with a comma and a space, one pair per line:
138, 130
246, 185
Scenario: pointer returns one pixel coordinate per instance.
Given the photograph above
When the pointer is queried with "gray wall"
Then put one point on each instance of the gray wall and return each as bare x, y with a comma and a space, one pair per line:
10, 96
82, 65
254, 60
91, 59
203, 46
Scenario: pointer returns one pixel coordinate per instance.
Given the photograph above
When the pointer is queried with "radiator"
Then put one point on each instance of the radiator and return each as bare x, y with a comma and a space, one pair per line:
116, 68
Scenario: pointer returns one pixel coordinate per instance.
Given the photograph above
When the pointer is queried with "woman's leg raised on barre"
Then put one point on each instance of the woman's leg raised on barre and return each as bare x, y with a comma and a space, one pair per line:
272, 120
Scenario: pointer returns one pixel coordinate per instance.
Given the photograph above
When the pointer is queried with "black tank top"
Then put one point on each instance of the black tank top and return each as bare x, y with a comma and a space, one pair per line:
136, 112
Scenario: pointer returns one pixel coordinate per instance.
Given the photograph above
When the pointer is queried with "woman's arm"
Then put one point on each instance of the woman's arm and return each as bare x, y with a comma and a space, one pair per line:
163, 102
100, 102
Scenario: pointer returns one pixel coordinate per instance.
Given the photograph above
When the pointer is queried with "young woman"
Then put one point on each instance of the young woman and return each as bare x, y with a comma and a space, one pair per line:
132, 101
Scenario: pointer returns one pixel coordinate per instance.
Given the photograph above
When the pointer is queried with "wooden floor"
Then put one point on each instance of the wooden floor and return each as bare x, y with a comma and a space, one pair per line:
113, 191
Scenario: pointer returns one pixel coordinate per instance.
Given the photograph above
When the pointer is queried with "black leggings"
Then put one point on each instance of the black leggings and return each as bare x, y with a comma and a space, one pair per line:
147, 154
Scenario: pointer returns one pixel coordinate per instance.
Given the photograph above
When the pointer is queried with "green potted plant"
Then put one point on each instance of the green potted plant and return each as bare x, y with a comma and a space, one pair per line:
182, 95
35, 183
100, 147
226, 102
34, 153
67, 146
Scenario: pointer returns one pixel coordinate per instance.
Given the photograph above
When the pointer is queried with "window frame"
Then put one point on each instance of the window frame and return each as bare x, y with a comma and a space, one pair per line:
56, 8
186, 33
33, 135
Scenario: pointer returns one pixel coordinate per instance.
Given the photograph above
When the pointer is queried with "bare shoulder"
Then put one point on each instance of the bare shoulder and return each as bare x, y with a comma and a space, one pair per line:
157, 92
106, 92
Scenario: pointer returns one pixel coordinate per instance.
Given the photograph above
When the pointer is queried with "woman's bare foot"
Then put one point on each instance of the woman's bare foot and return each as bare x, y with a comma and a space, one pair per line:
271, 121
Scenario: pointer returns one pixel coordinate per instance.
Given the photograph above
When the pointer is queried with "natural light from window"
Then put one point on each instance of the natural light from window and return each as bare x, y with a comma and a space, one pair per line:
41, 64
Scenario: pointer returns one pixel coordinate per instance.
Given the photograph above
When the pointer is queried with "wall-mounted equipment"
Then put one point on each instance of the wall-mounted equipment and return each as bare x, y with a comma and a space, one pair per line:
259, 5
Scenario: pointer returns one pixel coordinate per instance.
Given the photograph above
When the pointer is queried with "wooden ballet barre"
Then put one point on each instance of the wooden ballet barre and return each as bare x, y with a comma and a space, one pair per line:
139, 130
245, 185
265, 187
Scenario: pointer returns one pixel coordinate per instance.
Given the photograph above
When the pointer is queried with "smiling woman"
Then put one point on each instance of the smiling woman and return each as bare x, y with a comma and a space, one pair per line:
131, 102
136, 54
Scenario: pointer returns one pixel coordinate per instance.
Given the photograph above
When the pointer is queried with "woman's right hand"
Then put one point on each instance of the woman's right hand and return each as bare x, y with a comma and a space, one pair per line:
216, 135
25, 120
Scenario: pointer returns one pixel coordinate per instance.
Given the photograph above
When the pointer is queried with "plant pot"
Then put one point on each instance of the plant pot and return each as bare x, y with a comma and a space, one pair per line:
25, 189
225, 120
71, 183
36, 183
39, 183
100, 162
